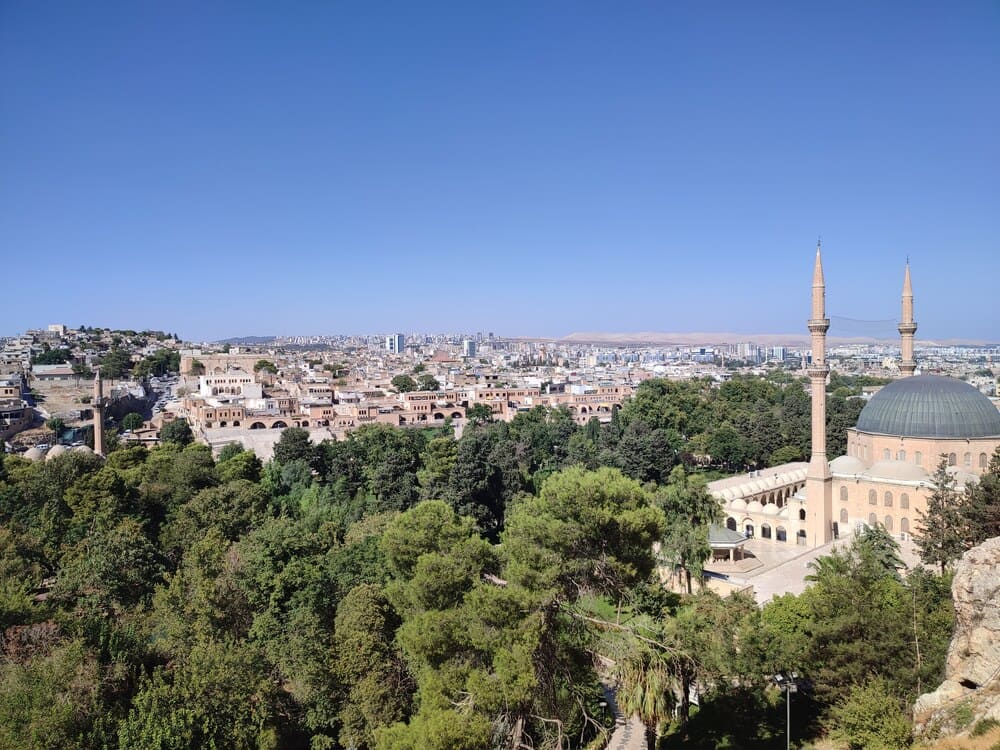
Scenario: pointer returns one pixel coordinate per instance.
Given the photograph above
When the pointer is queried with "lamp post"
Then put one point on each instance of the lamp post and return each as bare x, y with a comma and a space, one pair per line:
790, 684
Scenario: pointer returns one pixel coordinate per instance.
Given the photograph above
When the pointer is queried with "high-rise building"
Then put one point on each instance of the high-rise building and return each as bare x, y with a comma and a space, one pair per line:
395, 343
468, 348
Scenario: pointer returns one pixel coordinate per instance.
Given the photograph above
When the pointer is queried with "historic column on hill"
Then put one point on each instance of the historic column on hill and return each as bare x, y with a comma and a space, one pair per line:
819, 481
907, 327
98, 403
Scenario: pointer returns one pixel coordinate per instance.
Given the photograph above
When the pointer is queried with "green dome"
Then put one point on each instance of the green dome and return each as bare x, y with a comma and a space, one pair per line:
930, 406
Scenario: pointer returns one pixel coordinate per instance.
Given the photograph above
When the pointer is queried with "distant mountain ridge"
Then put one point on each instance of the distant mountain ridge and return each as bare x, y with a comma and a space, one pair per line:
767, 339
247, 340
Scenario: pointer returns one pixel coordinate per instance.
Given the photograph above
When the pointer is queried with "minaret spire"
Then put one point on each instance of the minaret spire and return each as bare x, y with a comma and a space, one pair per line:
907, 326
819, 482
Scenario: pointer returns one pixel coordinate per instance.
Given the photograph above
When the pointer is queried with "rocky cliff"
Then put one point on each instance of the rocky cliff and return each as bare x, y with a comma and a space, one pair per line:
971, 690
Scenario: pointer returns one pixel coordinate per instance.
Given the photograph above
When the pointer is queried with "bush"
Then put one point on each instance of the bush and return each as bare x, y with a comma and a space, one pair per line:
984, 726
870, 717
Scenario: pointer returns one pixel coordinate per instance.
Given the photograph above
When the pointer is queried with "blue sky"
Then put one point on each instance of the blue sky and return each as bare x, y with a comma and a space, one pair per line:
534, 168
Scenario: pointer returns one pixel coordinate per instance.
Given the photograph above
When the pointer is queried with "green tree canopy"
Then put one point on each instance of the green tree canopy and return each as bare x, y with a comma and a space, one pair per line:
404, 383
177, 432
132, 421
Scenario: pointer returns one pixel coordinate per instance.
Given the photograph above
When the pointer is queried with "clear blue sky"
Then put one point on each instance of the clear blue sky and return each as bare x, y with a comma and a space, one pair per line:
534, 168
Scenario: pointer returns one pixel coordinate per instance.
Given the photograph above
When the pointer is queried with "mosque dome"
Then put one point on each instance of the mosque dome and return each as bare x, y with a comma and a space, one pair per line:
930, 406
83, 449
55, 451
962, 477
898, 470
33, 454
847, 465
738, 504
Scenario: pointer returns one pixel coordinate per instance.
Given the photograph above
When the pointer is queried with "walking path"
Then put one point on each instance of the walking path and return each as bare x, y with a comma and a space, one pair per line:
629, 734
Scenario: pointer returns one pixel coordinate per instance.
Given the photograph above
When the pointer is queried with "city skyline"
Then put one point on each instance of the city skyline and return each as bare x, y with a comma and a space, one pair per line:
233, 171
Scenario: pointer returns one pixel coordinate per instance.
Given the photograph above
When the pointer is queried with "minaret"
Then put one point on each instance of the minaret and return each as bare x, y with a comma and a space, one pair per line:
907, 327
97, 402
819, 483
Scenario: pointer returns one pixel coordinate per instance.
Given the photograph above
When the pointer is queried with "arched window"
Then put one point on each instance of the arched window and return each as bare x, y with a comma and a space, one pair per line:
952, 459
872, 497
901, 456
967, 459
872, 520
904, 501
765, 531
731, 523
888, 523
888, 499
843, 494
843, 516
779, 534
886, 454
802, 514
982, 460
904, 525
918, 458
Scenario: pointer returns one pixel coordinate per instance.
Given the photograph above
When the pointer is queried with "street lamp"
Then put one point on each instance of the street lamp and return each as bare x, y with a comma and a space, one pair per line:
791, 685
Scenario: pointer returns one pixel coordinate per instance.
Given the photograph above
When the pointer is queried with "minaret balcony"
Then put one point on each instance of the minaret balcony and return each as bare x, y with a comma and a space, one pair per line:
819, 325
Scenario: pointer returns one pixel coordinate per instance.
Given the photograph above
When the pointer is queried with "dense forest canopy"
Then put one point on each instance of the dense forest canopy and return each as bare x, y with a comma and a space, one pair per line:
403, 589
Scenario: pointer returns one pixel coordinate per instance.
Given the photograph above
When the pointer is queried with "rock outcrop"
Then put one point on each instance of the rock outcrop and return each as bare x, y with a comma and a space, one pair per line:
971, 689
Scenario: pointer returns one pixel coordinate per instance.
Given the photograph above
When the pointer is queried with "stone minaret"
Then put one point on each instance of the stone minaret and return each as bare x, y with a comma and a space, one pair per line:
819, 483
98, 404
907, 327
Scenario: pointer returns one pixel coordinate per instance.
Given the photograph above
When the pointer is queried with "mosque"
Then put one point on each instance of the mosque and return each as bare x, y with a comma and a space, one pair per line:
898, 442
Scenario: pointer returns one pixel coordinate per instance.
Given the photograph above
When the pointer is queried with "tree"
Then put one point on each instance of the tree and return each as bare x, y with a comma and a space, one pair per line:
427, 382
82, 372
229, 450
113, 567
115, 363
220, 694
366, 661
178, 432
132, 421
293, 445
689, 509
479, 414
52, 357
51, 700
941, 537
980, 507
729, 448
646, 454
56, 424
438, 460
586, 529
265, 365
404, 383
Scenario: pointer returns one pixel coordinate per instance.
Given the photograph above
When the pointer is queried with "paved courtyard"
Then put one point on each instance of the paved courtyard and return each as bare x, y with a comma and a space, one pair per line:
783, 568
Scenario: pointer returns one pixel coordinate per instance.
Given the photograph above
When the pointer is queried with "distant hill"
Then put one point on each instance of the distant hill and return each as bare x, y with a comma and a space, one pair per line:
767, 339
247, 340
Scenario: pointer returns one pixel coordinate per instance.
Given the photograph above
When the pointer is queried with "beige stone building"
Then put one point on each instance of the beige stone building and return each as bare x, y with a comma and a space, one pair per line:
902, 434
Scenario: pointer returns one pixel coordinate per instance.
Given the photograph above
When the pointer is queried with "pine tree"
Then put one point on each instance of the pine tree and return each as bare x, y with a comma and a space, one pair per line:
943, 528
981, 505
